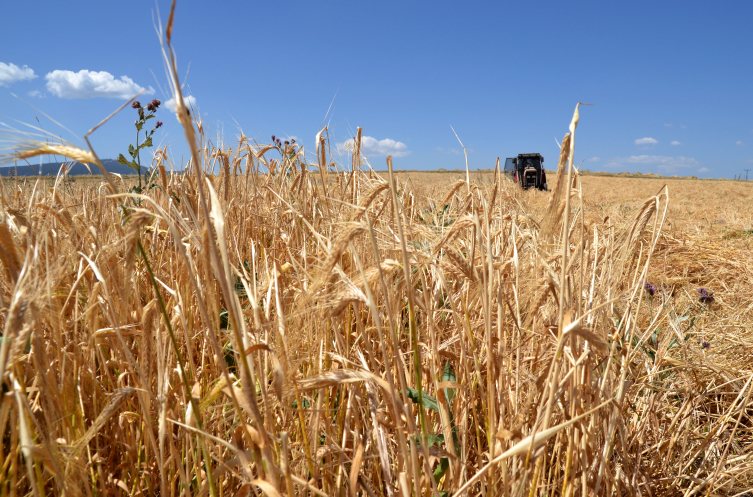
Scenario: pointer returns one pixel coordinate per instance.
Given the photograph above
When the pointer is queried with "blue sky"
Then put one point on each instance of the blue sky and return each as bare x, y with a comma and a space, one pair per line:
671, 81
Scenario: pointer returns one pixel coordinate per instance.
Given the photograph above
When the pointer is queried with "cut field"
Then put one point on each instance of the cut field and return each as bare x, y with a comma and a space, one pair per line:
704, 206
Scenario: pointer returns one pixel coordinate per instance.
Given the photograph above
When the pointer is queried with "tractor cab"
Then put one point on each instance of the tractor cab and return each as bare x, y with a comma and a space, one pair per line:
527, 170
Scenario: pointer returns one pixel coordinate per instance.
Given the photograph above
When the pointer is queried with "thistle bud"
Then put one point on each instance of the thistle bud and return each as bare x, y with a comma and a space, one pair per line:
706, 297
651, 289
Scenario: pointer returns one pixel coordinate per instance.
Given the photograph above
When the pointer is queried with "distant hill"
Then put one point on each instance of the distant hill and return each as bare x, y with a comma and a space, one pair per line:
77, 169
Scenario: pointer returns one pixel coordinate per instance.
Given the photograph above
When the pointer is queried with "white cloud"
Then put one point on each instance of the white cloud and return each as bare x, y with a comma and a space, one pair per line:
739, 143
676, 143
10, 73
36, 94
189, 101
683, 126
662, 162
371, 147
646, 141
704, 170
669, 125
91, 84
593, 159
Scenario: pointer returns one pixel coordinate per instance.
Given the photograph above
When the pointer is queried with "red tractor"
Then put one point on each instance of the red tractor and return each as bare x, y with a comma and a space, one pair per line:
527, 170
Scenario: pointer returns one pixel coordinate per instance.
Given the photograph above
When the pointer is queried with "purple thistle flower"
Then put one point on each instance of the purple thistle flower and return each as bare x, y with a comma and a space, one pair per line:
274, 139
156, 103
287, 143
136, 105
706, 297
651, 289
159, 123
705, 345
292, 140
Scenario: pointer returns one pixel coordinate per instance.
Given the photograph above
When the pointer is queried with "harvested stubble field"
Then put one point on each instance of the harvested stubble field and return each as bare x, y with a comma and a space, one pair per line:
327, 330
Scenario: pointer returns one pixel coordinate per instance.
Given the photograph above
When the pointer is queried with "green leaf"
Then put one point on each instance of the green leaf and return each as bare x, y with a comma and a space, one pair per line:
306, 404
150, 116
139, 125
432, 439
429, 401
132, 150
224, 320
147, 143
690, 326
448, 375
133, 165
442, 467
122, 159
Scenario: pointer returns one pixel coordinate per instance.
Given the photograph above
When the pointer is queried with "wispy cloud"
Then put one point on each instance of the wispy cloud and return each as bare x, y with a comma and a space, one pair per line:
669, 125
662, 162
189, 100
11, 73
593, 159
704, 170
446, 151
683, 126
91, 84
739, 143
36, 94
371, 147
675, 143
646, 141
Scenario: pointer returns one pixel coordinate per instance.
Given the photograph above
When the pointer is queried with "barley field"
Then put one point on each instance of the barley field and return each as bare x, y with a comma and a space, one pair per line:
296, 325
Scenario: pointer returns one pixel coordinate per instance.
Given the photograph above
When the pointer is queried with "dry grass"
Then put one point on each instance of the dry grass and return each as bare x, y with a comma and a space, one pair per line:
323, 331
